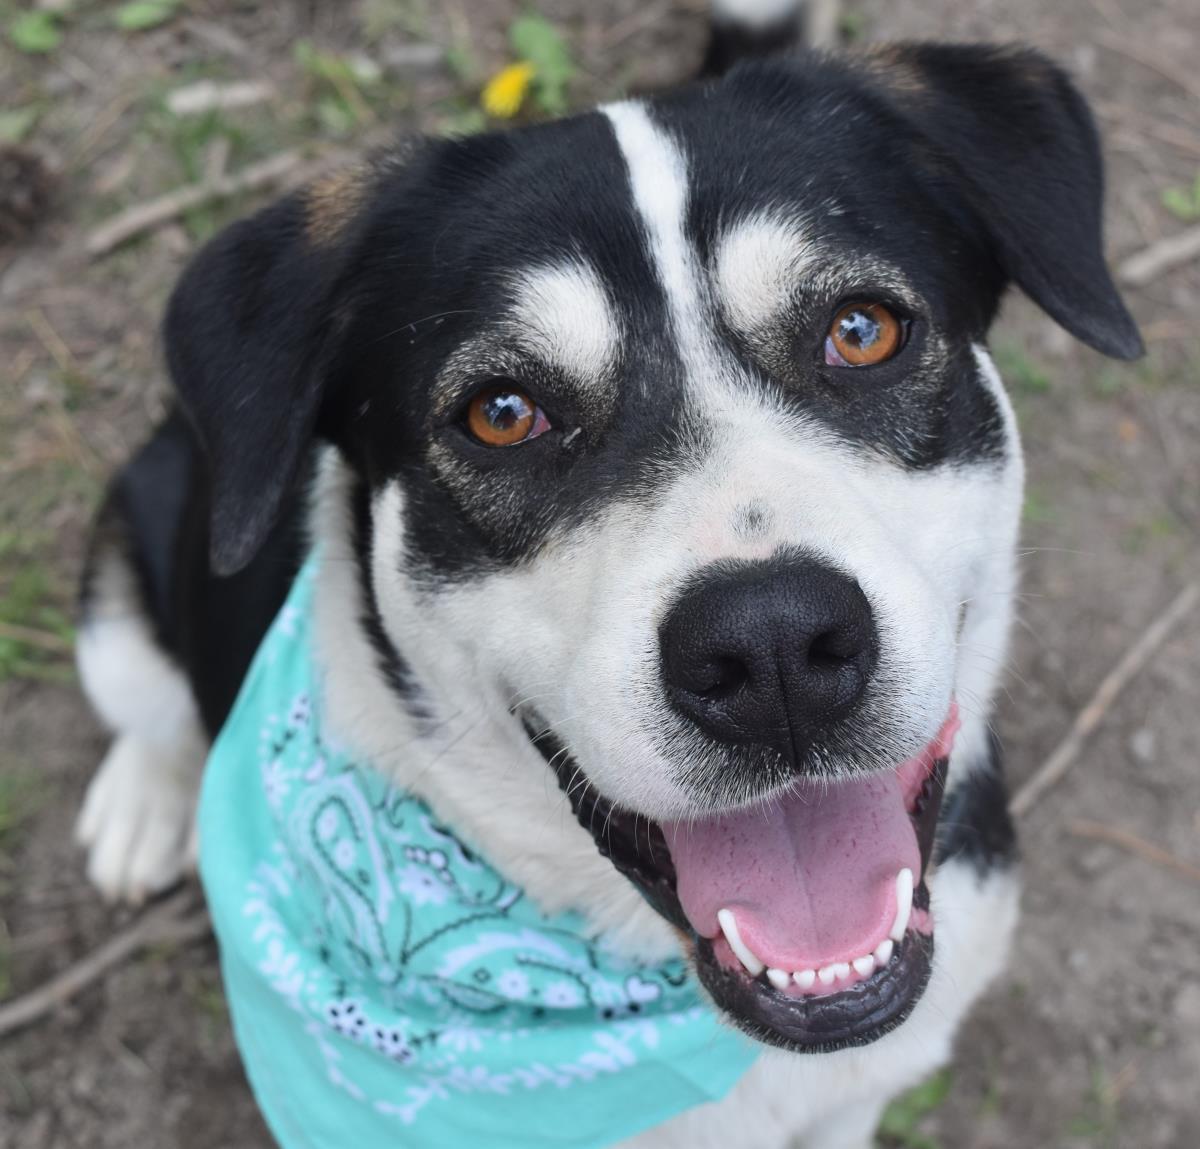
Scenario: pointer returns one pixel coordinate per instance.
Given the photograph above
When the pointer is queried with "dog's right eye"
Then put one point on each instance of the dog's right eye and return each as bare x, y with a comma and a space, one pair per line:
502, 415
862, 335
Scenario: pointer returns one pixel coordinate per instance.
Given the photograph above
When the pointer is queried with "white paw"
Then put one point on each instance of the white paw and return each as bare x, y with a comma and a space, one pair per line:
138, 819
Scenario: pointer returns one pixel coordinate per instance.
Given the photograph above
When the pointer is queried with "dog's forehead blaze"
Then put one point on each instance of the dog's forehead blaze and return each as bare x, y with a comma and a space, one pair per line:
331, 202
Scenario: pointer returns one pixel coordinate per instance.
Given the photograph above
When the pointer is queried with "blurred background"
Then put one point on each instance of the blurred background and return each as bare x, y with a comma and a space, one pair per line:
129, 133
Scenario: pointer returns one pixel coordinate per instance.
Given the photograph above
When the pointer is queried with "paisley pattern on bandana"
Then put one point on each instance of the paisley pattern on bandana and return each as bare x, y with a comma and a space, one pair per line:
390, 987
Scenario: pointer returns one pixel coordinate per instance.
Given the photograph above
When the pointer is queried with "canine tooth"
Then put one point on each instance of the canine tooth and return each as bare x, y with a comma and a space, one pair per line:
904, 896
883, 952
779, 978
805, 978
864, 966
841, 969
826, 974
744, 954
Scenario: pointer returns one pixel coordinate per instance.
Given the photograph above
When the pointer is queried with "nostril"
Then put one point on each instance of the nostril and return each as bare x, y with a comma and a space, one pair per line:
723, 677
830, 650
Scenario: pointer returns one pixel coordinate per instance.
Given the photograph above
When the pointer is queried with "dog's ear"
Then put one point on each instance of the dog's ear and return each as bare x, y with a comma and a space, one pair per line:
251, 332
1008, 127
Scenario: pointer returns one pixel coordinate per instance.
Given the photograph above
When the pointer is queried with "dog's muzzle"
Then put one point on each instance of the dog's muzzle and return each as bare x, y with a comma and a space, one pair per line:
807, 915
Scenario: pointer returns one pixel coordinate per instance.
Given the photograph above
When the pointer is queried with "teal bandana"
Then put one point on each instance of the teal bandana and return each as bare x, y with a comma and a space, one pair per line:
389, 987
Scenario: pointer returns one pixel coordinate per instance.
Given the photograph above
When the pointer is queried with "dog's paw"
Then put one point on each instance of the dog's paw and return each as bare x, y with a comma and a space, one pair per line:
138, 820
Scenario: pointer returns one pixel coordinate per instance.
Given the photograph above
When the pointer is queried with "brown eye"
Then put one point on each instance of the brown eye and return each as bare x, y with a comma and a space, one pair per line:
503, 416
862, 335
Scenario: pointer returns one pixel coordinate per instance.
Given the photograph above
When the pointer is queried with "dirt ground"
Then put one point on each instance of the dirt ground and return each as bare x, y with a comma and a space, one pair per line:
1093, 1037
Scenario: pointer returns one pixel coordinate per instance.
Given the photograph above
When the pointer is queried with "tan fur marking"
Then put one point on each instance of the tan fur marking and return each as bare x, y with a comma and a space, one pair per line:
332, 201
894, 64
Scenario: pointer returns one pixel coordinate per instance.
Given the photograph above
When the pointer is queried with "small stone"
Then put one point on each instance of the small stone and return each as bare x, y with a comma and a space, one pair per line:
1096, 860
1079, 960
1187, 1007
1142, 744
401, 58
42, 390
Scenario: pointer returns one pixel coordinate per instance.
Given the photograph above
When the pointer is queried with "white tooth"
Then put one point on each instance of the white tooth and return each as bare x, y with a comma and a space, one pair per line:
864, 966
826, 974
805, 978
779, 978
883, 952
904, 895
744, 954
841, 969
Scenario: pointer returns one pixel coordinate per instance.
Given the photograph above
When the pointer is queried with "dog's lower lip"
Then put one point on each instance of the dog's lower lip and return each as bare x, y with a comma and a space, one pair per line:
826, 1015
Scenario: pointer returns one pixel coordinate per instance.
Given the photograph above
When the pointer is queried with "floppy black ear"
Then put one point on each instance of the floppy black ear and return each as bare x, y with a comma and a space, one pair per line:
251, 331
1011, 128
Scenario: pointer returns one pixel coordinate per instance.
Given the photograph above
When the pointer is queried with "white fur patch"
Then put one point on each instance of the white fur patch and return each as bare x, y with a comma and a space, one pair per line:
563, 315
989, 543
138, 819
758, 264
754, 13
133, 685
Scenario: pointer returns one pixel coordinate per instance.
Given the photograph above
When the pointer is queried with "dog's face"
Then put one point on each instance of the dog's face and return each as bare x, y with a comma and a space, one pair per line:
676, 439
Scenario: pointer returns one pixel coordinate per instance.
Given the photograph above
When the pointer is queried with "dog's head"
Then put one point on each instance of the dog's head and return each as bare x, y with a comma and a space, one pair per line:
676, 439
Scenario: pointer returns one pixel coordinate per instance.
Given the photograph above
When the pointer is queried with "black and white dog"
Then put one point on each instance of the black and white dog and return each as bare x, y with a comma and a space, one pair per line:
657, 455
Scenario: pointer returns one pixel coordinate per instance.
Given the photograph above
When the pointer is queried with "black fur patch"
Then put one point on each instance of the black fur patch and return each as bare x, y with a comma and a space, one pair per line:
975, 823
396, 672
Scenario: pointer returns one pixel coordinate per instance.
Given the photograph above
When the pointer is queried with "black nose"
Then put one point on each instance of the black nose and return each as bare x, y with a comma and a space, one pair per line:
773, 652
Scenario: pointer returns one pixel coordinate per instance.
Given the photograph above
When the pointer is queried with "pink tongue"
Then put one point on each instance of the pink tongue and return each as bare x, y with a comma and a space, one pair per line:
810, 879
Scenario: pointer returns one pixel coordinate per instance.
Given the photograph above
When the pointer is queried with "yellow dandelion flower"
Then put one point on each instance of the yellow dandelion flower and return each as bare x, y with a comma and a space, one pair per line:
505, 92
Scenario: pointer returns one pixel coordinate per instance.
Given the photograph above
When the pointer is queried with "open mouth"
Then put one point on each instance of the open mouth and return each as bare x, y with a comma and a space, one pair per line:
807, 916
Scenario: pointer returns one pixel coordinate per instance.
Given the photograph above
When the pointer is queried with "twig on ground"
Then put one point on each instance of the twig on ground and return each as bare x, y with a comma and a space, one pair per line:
31, 636
66, 362
54, 344
209, 96
1165, 255
169, 921
92, 140
154, 213
1127, 840
1133, 661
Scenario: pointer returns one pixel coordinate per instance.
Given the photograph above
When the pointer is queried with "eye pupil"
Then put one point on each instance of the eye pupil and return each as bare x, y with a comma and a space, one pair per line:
505, 409
858, 329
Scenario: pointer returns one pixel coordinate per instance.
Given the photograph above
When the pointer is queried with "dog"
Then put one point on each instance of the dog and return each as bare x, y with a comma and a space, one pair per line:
648, 499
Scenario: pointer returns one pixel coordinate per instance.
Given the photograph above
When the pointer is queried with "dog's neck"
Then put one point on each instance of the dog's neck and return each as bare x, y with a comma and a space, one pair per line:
450, 738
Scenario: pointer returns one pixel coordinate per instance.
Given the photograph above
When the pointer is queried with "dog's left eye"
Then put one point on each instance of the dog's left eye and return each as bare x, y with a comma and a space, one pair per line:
502, 415
863, 334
